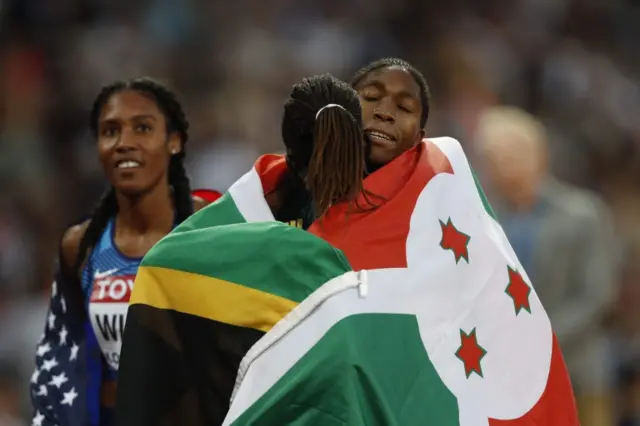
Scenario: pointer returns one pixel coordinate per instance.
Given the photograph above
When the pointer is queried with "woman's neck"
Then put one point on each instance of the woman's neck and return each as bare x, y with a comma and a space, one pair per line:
291, 201
151, 211
372, 167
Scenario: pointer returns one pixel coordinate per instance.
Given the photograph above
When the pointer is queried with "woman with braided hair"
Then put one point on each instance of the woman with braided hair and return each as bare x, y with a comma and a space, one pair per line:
179, 368
325, 151
141, 132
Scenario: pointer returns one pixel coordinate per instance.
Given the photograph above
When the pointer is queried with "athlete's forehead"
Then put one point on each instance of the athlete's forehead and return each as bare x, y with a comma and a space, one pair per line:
394, 79
130, 104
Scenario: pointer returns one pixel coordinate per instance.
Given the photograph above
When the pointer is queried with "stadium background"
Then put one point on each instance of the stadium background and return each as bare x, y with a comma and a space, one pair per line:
574, 64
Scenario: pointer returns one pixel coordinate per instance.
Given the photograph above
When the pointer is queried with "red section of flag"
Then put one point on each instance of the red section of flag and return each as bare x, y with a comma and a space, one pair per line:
557, 405
394, 193
208, 195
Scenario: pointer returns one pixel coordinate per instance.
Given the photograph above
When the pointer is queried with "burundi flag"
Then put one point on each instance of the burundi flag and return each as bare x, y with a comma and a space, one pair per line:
416, 312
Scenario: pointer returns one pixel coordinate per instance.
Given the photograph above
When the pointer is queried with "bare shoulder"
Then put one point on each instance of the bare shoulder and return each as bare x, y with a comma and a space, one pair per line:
70, 243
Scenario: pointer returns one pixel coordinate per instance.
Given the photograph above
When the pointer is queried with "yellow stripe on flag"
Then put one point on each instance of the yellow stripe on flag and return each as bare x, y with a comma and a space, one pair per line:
209, 298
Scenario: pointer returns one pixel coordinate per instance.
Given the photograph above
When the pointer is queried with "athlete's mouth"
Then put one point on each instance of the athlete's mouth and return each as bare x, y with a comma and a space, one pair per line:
380, 137
127, 164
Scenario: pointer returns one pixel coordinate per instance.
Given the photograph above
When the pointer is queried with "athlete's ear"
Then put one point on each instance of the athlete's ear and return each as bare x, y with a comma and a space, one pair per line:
174, 146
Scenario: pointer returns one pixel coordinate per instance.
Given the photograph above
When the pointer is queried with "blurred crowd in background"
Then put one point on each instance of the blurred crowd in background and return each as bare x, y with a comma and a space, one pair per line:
573, 64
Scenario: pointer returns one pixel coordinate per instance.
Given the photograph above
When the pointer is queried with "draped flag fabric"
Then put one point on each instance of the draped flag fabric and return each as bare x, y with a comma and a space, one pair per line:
208, 195
414, 312
65, 384
63, 390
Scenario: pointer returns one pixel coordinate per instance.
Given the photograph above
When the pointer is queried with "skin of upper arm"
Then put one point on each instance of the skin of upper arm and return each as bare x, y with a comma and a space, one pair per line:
71, 243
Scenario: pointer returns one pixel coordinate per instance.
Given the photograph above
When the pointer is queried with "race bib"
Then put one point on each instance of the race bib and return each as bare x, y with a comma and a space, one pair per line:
108, 310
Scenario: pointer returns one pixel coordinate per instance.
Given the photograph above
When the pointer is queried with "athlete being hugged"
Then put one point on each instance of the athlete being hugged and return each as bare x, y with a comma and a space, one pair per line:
141, 131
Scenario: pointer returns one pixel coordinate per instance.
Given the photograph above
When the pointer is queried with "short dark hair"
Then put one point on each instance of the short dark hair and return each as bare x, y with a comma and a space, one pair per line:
417, 76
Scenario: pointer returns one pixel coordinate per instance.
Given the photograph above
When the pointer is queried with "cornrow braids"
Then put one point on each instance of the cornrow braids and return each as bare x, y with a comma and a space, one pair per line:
323, 135
106, 208
179, 181
425, 97
177, 122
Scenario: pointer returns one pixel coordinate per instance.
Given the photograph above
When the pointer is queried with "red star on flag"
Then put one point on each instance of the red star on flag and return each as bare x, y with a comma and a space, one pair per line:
470, 353
454, 240
518, 290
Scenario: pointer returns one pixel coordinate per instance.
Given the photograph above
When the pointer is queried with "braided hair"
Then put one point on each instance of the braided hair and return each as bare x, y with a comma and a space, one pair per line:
417, 76
325, 148
176, 120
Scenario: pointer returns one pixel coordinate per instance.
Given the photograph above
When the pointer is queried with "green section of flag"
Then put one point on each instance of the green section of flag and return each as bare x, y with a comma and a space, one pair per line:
260, 255
483, 197
367, 370
222, 212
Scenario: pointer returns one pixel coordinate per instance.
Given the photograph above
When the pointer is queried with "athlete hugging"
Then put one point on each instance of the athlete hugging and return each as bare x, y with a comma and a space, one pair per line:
350, 150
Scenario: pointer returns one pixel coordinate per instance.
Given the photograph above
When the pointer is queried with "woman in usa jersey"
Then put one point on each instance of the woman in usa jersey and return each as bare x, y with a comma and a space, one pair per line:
141, 131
